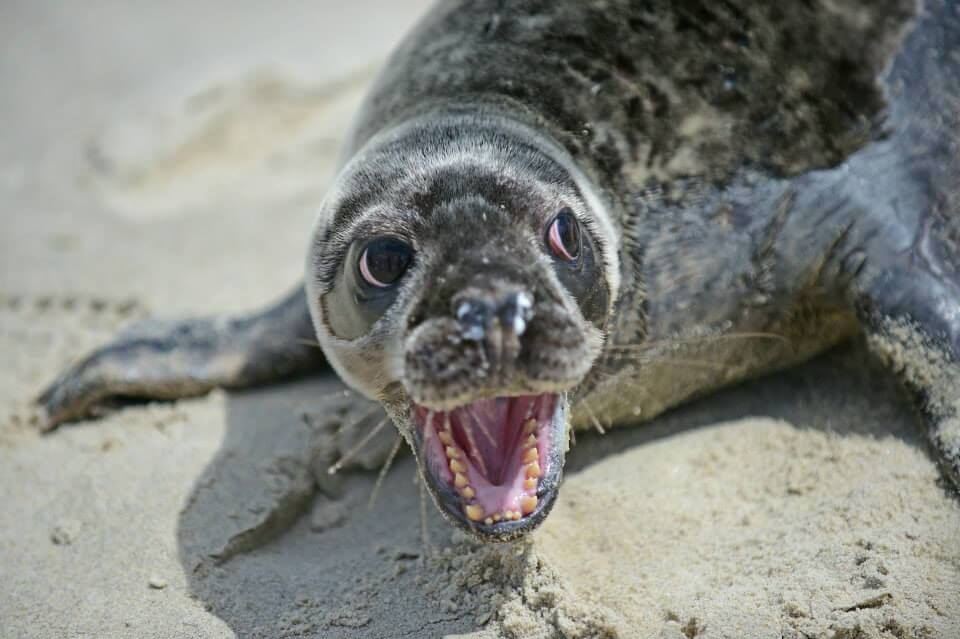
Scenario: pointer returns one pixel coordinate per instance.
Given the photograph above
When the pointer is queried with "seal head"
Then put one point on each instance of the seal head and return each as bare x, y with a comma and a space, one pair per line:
462, 273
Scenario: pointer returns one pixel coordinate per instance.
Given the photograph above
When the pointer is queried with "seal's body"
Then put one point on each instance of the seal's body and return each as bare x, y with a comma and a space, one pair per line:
570, 212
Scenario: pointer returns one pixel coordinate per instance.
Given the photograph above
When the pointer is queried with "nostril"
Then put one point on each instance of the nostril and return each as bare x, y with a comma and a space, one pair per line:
473, 317
516, 311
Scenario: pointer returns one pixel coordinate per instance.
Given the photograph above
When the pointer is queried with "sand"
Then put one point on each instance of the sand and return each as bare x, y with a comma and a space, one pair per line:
158, 162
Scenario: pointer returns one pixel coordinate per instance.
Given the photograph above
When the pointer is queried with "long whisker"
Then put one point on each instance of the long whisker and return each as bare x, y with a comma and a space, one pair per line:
696, 339
343, 393
480, 423
309, 342
593, 417
428, 432
694, 363
347, 456
383, 471
424, 529
468, 429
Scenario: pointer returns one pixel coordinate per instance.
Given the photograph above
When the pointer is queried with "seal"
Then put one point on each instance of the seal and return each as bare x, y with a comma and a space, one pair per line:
557, 214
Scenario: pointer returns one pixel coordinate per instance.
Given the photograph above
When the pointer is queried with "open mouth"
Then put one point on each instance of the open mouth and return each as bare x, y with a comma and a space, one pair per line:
495, 463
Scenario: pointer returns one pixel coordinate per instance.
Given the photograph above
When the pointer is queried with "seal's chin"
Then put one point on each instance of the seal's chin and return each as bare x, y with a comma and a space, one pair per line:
495, 464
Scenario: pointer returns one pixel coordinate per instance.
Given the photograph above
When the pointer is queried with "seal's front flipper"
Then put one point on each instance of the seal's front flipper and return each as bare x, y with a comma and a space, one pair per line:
184, 358
909, 303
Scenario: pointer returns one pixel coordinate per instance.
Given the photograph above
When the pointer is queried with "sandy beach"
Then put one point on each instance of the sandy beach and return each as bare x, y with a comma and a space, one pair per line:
167, 160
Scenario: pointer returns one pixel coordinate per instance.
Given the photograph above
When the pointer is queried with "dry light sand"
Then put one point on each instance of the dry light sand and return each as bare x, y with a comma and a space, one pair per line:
165, 159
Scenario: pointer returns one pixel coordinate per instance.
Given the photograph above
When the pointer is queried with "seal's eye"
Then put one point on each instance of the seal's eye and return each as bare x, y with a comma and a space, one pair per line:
384, 261
563, 236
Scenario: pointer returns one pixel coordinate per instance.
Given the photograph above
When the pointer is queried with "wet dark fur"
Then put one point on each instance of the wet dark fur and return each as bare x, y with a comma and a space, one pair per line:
769, 167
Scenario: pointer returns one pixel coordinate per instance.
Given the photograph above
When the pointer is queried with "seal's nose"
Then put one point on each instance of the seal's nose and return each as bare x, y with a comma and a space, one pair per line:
477, 313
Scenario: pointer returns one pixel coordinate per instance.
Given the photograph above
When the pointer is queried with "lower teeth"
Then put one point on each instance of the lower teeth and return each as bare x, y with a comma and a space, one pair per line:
531, 469
474, 512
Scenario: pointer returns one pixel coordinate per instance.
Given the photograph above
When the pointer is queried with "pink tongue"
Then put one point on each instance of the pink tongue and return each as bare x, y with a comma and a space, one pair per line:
488, 429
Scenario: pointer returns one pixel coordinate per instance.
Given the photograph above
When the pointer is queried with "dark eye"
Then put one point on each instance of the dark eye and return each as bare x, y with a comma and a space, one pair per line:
563, 236
384, 261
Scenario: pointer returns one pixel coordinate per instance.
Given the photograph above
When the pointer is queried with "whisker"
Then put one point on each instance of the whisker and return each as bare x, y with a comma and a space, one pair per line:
695, 339
309, 342
694, 363
480, 423
383, 471
359, 445
343, 393
427, 431
424, 529
603, 376
468, 429
593, 417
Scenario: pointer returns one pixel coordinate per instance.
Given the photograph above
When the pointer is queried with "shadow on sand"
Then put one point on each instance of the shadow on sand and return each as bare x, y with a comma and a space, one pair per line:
247, 540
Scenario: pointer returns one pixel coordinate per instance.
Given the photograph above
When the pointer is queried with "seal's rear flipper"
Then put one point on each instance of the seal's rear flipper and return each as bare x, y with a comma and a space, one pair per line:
184, 358
911, 312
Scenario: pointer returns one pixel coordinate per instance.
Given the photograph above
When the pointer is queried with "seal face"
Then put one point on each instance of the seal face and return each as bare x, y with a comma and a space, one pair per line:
467, 292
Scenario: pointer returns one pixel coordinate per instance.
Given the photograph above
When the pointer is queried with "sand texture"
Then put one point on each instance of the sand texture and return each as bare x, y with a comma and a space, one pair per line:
164, 159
